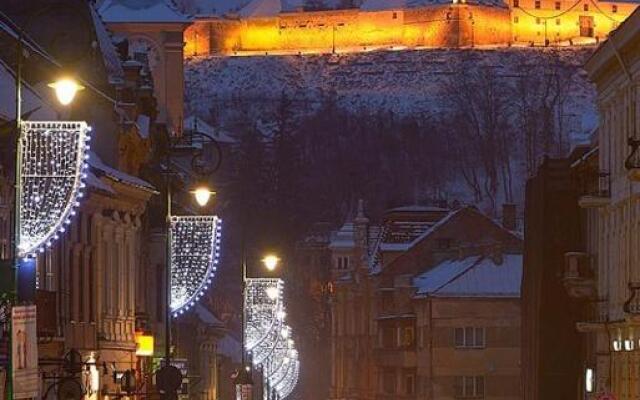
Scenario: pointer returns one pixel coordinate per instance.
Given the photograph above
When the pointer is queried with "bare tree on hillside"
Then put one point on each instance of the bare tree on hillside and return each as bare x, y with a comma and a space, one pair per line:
479, 120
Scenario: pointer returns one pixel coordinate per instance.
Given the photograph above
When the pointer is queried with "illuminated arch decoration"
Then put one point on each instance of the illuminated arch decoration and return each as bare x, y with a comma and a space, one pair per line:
268, 337
53, 170
195, 250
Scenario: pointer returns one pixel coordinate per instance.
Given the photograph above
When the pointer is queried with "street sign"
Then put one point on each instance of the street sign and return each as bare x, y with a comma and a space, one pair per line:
24, 352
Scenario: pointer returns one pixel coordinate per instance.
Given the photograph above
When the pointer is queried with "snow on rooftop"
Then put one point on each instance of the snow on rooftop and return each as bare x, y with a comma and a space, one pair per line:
474, 276
107, 48
153, 11
207, 316
441, 274
193, 123
230, 347
117, 175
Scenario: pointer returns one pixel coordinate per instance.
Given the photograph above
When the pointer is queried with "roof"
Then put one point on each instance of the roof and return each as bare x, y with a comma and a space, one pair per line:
207, 316
194, 123
150, 11
474, 276
103, 169
230, 347
107, 49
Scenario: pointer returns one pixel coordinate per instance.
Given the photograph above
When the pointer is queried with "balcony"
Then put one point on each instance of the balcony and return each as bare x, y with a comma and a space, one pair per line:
595, 189
578, 279
632, 163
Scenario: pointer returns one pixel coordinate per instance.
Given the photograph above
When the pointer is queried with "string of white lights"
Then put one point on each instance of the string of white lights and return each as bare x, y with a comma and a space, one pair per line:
195, 250
268, 337
53, 171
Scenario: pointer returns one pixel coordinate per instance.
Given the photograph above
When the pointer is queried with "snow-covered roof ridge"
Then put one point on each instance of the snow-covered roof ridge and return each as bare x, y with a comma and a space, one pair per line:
152, 11
99, 166
207, 316
474, 276
107, 48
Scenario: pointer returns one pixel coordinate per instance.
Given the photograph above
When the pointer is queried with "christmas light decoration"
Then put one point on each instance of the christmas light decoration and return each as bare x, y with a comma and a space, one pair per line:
195, 250
268, 337
53, 168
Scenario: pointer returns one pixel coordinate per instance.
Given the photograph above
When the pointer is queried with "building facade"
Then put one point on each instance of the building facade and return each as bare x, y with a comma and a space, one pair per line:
269, 27
406, 293
615, 70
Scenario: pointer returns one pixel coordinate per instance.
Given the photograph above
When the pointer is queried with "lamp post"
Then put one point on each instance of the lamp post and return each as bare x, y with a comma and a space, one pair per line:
243, 380
65, 93
169, 378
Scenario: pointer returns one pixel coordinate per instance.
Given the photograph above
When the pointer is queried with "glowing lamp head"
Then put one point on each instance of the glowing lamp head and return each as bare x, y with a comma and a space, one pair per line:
271, 262
202, 194
66, 90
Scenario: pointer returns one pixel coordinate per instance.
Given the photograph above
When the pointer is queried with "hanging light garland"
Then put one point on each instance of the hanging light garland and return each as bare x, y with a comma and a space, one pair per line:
53, 170
195, 250
268, 337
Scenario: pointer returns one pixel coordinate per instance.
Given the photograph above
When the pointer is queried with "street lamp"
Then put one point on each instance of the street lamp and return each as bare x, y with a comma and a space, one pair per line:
66, 90
243, 381
202, 195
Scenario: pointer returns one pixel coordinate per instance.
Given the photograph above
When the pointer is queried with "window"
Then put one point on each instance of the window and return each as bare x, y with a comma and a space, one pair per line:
585, 7
407, 336
538, 21
410, 384
389, 381
387, 337
343, 262
614, 8
469, 387
558, 21
516, 3
558, 5
469, 338
516, 19
394, 15
537, 4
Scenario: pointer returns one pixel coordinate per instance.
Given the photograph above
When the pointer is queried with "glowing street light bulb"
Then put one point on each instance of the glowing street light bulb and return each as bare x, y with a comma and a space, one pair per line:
272, 292
202, 195
66, 90
271, 262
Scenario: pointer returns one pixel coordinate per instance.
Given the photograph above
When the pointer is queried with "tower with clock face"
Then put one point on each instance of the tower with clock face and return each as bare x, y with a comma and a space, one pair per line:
155, 32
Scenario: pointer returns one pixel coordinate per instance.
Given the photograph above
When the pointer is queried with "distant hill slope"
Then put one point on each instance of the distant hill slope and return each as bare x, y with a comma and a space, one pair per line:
542, 101
402, 82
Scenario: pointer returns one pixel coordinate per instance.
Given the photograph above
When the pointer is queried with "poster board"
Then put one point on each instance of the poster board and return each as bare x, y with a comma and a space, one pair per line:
24, 352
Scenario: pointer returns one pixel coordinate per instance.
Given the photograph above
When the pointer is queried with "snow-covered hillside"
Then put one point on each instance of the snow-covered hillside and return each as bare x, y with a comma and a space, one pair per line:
403, 82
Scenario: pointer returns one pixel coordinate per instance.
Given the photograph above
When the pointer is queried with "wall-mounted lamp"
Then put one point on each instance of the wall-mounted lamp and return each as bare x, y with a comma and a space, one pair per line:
617, 345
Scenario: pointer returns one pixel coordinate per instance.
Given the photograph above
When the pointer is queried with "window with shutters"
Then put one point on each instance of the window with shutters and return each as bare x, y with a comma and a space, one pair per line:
469, 338
469, 387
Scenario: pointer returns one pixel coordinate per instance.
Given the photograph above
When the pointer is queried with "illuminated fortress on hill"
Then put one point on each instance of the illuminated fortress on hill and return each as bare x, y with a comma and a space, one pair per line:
269, 27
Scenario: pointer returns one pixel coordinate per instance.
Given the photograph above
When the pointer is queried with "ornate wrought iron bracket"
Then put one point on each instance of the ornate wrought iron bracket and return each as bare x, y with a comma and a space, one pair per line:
632, 162
631, 306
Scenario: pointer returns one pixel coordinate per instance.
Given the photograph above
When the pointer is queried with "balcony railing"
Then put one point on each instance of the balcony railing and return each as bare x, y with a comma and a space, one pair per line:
578, 277
595, 189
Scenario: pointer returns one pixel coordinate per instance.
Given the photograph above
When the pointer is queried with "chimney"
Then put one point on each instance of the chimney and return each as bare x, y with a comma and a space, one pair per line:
509, 216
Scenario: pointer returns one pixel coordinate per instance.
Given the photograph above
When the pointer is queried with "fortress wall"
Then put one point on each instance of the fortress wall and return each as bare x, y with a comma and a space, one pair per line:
451, 25
482, 25
531, 25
